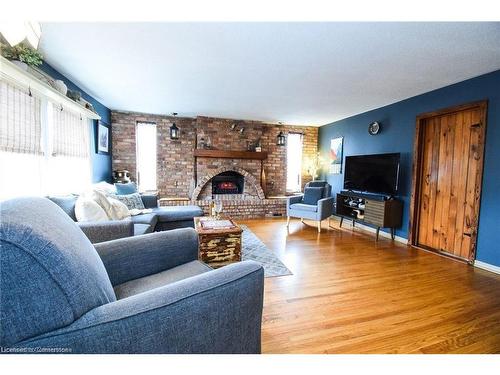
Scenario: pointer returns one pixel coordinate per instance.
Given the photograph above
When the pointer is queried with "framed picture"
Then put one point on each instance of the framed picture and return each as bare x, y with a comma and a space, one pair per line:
336, 155
102, 138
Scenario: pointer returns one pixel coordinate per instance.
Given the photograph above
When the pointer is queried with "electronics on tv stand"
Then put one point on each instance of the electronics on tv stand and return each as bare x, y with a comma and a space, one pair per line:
369, 195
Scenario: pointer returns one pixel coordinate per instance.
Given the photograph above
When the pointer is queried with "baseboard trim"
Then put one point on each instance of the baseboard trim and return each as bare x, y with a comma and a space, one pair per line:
371, 230
487, 266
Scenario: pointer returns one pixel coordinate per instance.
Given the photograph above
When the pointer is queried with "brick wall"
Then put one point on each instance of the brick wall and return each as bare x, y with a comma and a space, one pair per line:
238, 209
175, 172
175, 158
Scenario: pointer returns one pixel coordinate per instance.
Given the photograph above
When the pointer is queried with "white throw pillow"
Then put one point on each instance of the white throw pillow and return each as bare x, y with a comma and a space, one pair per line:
102, 201
86, 209
104, 187
119, 209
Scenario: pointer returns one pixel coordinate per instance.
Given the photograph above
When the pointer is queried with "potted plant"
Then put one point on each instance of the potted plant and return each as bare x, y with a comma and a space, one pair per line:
22, 55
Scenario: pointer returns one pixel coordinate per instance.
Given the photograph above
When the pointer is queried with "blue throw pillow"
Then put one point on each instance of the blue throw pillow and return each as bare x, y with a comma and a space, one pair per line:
312, 195
125, 189
67, 203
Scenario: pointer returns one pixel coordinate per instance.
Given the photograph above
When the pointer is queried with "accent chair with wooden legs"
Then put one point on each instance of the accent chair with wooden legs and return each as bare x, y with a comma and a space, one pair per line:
315, 204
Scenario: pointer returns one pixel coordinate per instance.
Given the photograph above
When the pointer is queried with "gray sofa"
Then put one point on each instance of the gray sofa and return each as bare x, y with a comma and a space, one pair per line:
161, 219
144, 294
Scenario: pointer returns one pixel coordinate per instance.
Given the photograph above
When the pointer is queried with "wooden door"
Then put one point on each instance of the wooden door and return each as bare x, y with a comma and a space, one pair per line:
447, 180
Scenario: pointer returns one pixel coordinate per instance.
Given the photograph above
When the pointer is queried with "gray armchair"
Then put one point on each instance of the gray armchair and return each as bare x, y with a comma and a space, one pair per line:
107, 230
142, 294
303, 209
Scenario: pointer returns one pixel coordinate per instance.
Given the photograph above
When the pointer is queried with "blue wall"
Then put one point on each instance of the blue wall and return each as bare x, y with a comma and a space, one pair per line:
101, 164
397, 135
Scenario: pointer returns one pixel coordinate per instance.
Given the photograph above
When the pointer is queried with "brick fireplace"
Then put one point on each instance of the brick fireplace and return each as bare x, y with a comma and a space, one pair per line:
254, 183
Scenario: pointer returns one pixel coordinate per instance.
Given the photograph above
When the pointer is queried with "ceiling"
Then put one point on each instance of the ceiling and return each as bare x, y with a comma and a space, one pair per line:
297, 73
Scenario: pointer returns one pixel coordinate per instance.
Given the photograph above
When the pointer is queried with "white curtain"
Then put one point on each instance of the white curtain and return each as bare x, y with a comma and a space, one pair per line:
43, 150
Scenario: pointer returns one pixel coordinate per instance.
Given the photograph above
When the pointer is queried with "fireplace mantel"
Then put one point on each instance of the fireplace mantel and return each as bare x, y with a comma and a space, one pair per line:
230, 154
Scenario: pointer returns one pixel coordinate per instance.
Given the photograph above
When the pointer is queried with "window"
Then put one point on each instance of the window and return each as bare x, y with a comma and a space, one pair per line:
146, 156
44, 148
293, 162
69, 152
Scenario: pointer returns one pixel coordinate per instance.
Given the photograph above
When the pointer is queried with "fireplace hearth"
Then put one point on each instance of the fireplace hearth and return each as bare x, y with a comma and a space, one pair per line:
228, 183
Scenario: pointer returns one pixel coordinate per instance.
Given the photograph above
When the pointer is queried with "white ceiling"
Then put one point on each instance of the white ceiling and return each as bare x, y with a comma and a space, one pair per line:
298, 73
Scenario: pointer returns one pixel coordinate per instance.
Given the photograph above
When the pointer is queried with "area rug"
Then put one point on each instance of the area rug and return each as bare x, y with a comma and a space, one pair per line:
254, 249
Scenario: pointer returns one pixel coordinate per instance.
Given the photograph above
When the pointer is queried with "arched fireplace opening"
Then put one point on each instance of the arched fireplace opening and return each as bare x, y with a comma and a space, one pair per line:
228, 182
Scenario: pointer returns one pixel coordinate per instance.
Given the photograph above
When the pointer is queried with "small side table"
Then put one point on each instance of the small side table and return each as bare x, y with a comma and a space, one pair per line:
218, 246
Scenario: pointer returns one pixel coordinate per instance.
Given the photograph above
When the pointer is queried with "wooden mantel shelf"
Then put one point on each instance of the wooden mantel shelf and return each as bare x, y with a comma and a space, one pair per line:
230, 154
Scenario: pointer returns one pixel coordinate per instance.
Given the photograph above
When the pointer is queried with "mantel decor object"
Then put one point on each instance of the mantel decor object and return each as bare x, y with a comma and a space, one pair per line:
121, 176
22, 55
60, 86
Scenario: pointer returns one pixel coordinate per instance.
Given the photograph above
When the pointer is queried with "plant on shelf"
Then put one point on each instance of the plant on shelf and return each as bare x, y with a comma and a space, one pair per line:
23, 53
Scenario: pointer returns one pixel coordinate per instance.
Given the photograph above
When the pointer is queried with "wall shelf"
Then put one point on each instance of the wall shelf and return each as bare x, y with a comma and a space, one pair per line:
230, 154
20, 77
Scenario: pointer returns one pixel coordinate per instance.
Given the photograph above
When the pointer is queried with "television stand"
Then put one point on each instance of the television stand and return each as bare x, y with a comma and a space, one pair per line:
370, 209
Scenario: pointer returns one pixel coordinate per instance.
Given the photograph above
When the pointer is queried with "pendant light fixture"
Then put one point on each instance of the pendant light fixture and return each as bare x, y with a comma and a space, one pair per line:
174, 130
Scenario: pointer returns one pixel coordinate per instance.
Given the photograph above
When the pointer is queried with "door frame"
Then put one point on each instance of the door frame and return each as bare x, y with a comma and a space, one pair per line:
416, 179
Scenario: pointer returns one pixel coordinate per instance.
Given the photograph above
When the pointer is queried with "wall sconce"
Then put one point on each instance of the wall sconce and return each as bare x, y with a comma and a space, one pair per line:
281, 138
174, 130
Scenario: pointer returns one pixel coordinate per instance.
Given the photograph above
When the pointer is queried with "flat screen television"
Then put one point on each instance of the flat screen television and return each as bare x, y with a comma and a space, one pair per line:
372, 173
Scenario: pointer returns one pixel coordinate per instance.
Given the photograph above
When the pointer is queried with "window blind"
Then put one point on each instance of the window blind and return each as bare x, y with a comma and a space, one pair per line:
70, 133
20, 120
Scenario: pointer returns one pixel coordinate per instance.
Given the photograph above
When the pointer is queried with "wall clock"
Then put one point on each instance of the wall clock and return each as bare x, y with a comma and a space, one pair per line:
374, 128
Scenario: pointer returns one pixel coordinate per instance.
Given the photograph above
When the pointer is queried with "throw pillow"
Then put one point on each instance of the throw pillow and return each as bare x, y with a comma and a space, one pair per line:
312, 195
67, 203
119, 211
102, 201
104, 187
132, 201
86, 209
125, 189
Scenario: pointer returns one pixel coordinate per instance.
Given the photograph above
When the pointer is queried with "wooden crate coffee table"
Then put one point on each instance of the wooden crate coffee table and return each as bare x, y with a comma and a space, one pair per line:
218, 246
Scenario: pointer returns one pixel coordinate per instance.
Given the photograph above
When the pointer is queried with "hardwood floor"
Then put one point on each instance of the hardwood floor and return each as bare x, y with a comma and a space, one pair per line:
349, 294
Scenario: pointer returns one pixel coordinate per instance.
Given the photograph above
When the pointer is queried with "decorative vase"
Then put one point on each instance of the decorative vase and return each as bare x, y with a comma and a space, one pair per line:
20, 64
60, 86
121, 176
74, 95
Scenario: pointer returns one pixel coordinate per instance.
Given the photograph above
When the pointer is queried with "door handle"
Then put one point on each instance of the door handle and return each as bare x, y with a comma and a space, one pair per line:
467, 234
